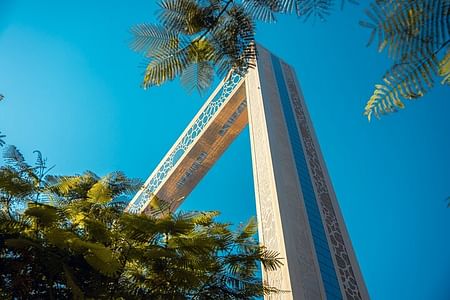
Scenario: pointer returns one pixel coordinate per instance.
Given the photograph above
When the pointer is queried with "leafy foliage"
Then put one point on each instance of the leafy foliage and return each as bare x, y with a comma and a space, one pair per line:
83, 245
416, 35
2, 141
20, 182
198, 38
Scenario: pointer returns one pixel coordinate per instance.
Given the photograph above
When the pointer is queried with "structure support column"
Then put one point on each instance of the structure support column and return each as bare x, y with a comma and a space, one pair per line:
298, 215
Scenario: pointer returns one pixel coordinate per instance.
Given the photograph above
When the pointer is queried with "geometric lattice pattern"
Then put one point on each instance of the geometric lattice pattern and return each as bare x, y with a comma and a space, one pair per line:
333, 229
187, 138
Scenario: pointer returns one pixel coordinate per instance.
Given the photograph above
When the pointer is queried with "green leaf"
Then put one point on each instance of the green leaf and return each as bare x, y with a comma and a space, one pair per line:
197, 76
263, 10
63, 239
2, 136
13, 183
248, 230
444, 68
44, 214
77, 293
153, 40
99, 193
183, 16
96, 230
414, 33
103, 260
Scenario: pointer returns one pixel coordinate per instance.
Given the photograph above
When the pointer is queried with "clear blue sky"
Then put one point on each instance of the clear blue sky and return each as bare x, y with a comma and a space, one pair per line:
72, 88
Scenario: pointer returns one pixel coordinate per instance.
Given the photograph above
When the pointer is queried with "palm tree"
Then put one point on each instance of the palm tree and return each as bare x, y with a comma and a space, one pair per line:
76, 242
20, 182
196, 39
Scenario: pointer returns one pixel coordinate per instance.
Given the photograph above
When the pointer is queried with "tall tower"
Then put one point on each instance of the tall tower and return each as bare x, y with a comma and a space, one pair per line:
298, 214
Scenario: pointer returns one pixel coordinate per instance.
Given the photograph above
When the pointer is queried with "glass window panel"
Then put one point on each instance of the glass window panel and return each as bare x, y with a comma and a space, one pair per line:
328, 273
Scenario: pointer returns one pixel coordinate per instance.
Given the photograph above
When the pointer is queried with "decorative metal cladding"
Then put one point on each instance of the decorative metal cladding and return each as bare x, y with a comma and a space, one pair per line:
184, 142
266, 191
334, 232
192, 169
233, 118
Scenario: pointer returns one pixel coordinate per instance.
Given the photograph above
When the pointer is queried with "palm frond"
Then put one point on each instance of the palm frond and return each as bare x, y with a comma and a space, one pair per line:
62, 239
409, 80
306, 9
166, 67
183, 16
158, 207
14, 184
202, 218
270, 259
303, 8
227, 26
247, 231
72, 186
40, 161
414, 33
99, 193
14, 158
242, 288
72, 283
2, 136
19, 224
197, 76
263, 10
102, 259
408, 27
270, 290
174, 224
138, 227
444, 68
153, 40
236, 51
46, 215
317, 9
199, 73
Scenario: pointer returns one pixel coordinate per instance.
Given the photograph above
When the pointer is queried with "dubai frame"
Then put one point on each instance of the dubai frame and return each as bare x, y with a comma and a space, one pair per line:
297, 211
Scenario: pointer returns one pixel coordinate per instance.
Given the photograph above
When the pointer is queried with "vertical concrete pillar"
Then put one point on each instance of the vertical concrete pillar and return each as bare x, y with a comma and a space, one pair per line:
298, 214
